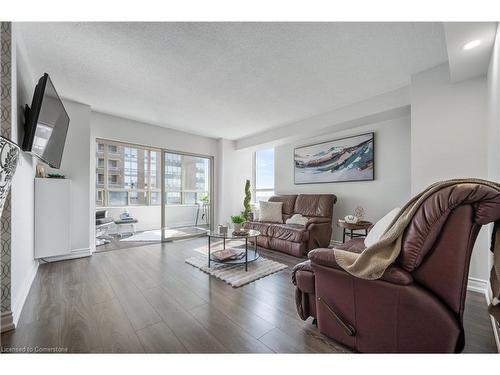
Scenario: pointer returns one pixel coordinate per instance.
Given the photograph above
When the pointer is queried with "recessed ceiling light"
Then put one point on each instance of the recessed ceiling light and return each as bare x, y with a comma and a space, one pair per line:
472, 44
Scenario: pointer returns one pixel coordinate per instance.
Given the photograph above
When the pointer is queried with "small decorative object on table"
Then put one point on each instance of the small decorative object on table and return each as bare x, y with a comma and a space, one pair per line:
40, 171
351, 219
55, 175
359, 212
240, 232
238, 221
222, 229
352, 227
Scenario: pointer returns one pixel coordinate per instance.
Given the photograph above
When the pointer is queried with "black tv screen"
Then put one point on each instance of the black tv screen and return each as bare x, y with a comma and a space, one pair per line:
46, 124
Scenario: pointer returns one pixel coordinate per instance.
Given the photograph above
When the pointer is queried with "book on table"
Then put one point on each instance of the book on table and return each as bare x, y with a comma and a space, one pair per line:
228, 254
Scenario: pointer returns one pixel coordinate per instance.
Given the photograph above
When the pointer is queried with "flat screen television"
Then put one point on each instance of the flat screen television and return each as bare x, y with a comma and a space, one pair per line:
46, 124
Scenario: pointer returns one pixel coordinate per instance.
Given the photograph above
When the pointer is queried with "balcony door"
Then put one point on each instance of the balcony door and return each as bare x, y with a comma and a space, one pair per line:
186, 195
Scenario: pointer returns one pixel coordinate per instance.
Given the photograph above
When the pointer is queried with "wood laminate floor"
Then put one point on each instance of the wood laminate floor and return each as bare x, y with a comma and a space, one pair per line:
146, 299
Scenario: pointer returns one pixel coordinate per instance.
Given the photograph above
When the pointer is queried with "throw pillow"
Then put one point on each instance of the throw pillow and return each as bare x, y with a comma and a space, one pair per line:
256, 215
297, 219
271, 211
380, 227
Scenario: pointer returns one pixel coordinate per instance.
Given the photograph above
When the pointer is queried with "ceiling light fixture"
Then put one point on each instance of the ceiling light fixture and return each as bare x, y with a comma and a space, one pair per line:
472, 44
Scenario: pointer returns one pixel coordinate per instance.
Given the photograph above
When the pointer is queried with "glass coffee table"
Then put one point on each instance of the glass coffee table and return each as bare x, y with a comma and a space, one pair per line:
249, 256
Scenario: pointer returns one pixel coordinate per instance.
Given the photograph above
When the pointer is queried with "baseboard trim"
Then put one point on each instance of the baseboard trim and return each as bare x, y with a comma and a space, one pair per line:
18, 304
477, 285
79, 253
6, 322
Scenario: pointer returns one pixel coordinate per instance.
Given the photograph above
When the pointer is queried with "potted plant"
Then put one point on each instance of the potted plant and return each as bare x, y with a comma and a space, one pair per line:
238, 221
247, 200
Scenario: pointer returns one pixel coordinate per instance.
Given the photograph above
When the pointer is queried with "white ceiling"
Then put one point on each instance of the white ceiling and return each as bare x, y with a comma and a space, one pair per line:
466, 64
229, 80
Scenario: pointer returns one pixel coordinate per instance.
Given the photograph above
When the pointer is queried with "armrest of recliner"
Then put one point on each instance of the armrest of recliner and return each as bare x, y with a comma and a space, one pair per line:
317, 220
393, 274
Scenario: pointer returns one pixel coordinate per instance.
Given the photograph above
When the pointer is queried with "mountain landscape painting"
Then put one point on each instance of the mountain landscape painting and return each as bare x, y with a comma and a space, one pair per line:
346, 159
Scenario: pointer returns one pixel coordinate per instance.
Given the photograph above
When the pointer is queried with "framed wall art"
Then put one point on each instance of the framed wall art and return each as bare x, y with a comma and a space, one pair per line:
339, 160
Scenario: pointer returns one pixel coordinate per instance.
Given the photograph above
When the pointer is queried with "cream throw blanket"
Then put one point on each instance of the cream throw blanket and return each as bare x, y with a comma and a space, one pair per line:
374, 260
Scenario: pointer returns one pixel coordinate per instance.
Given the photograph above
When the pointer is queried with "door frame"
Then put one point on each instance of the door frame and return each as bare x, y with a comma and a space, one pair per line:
163, 191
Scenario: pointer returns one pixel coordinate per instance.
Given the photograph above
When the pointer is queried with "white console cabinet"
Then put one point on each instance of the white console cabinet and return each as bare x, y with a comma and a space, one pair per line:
52, 217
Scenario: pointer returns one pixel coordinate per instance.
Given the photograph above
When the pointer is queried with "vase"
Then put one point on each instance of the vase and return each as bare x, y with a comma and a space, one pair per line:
9, 155
237, 227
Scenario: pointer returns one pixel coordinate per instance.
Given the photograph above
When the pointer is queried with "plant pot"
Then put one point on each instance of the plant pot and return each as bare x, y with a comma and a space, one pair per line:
237, 227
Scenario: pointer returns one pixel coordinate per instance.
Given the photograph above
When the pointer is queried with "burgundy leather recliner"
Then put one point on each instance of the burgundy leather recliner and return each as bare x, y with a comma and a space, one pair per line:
297, 240
418, 304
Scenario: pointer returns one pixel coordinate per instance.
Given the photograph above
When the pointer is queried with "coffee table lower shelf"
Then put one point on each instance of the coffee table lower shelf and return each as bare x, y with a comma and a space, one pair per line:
252, 257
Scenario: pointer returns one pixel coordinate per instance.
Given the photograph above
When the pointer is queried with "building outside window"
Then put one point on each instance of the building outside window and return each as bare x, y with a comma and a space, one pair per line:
126, 175
131, 175
186, 178
264, 175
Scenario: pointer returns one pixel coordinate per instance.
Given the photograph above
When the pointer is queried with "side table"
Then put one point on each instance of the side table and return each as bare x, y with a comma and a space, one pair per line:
349, 229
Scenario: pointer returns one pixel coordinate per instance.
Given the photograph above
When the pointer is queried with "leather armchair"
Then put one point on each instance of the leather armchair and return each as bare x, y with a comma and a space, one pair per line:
418, 304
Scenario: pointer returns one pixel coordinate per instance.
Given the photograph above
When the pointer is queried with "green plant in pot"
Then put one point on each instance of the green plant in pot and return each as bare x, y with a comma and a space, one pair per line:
247, 200
238, 221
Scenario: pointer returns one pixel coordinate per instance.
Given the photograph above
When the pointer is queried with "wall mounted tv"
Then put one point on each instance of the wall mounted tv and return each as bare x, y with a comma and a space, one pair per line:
46, 124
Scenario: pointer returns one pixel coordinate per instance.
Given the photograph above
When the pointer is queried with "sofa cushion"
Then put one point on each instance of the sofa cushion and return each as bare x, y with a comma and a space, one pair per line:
271, 212
261, 227
380, 227
315, 205
288, 203
288, 232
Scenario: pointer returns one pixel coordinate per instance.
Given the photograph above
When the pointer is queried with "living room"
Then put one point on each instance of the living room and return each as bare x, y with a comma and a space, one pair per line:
250, 187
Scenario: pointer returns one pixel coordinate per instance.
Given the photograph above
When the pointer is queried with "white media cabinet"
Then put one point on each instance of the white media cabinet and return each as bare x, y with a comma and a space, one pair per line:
52, 217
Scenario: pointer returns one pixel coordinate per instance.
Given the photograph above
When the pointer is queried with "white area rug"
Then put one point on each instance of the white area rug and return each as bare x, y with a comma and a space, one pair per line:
146, 236
236, 276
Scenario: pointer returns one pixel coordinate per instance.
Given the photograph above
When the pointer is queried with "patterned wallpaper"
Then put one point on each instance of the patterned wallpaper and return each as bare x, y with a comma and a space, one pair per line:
5, 117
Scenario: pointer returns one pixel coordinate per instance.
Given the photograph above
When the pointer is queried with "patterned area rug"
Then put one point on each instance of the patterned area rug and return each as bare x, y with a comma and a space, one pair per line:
236, 276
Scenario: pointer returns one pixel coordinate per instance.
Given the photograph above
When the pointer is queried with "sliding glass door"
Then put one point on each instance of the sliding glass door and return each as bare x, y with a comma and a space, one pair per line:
187, 190
146, 194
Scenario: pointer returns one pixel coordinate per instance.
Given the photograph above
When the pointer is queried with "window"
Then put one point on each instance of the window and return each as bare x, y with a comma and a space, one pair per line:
186, 178
100, 179
264, 175
127, 175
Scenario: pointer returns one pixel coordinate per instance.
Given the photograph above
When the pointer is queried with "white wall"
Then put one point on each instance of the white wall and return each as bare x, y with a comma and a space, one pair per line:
125, 130
75, 165
391, 187
233, 168
23, 265
449, 133
494, 112
493, 79
449, 138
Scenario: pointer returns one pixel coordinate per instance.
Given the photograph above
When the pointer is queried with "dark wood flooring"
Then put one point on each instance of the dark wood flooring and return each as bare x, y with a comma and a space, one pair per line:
147, 299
